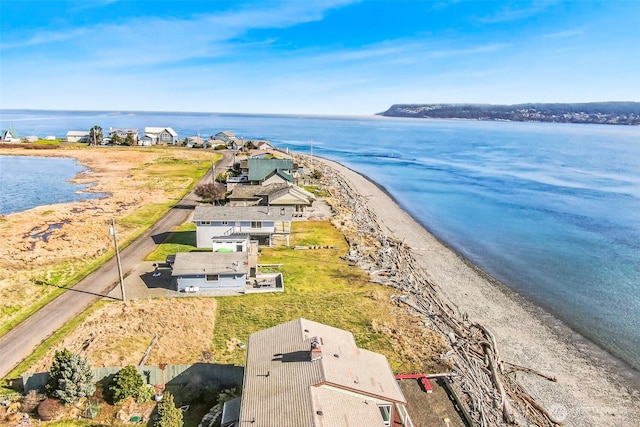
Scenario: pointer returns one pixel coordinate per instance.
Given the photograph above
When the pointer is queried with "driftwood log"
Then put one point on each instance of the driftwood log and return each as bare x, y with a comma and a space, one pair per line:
492, 395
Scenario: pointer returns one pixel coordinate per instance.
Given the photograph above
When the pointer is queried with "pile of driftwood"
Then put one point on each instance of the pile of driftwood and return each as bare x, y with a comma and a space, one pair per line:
485, 383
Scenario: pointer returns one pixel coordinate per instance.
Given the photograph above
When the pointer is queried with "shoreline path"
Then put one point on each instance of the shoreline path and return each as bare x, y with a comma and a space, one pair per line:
21, 341
589, 391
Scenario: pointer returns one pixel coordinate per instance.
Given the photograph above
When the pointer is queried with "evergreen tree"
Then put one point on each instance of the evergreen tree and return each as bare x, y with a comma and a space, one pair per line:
127, 382
116, 139
70, 377
129, 140
168, 414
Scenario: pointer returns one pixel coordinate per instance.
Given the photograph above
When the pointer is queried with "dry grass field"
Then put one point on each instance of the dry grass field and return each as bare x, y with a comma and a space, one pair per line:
142, 183
118, 333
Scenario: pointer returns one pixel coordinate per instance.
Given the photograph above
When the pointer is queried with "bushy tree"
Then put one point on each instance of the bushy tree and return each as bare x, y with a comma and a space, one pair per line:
70, 377
168, 414
316, 174
50, 409
222, 177
116, 139
129, 140
127, 382
211, 191
145, 393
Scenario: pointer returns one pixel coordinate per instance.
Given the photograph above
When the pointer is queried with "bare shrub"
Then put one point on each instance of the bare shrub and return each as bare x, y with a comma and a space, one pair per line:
31, 401
50, 409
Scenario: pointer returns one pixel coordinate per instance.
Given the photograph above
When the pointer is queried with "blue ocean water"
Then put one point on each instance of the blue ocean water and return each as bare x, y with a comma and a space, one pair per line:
550, 210
28, 182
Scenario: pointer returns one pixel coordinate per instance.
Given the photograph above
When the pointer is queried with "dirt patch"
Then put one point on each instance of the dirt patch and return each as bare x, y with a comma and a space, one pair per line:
430, 409
119, 333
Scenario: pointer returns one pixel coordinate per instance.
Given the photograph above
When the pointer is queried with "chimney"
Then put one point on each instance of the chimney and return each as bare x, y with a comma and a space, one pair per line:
316, 350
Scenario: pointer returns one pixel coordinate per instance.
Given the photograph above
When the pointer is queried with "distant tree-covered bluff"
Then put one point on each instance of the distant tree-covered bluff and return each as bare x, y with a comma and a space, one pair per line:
615, 113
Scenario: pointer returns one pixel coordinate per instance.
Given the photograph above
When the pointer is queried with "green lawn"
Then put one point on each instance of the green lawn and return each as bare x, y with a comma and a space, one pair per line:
319, 286
181, 239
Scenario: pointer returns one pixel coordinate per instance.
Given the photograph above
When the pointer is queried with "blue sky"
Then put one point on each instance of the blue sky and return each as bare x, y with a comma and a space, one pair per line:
314, 57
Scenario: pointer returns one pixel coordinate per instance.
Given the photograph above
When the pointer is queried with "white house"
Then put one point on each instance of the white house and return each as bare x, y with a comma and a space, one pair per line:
265, 224
147, 140
78, 136
10, 135
225, 136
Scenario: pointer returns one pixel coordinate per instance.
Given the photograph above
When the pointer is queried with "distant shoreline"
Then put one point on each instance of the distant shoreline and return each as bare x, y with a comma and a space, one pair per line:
527, 334
606, 113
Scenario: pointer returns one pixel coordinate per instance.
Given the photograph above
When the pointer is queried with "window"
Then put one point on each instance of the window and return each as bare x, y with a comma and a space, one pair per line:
205, 222
224, 222
256, 224
212, 277
385, 411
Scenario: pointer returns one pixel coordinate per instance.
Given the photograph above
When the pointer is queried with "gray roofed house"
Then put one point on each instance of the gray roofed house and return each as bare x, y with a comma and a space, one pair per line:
275, 195
263, 223
225, 136
197, 271
123, 132
162, 135
305, 374
247, 213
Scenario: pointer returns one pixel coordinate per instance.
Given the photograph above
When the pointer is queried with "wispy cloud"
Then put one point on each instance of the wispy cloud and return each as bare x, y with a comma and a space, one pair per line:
90, 4
46, 37
566, 33
518, 11
474, 50
401, 50
178, 36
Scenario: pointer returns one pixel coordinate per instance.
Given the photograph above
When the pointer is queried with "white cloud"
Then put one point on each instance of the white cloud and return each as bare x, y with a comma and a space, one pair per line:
566, 33
152, 40
517, 11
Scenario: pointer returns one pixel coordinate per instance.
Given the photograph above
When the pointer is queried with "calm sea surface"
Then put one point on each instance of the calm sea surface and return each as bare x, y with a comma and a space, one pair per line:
551, 210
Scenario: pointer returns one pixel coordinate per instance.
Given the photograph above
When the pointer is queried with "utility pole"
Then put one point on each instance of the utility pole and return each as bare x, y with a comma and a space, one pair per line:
112, 230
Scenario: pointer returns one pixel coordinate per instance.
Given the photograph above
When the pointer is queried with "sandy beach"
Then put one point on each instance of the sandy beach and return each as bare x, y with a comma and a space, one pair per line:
590, 390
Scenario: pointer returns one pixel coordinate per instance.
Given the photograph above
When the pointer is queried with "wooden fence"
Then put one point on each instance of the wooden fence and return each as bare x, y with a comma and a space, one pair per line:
198, 373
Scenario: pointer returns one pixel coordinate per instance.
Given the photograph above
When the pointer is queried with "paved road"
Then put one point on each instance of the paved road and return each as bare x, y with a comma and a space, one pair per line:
21, 341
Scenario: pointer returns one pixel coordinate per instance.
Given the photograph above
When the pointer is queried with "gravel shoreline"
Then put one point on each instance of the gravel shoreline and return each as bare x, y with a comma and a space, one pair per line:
592, 389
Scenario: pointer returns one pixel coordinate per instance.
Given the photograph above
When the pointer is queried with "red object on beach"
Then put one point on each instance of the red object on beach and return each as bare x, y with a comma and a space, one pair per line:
426, 384
422, 377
